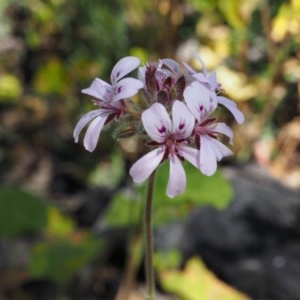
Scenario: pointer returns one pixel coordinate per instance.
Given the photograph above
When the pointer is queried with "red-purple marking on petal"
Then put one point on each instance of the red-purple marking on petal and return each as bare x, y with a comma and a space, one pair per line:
181, 126
162, 129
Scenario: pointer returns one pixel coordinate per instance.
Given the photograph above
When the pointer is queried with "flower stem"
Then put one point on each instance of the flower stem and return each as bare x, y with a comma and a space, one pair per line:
149, 239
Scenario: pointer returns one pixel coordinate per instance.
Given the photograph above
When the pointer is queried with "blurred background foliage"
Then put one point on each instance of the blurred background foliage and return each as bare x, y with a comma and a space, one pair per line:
51, 49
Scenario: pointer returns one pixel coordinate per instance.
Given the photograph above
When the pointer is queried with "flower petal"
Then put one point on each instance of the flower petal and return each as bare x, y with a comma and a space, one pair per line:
220, 149
123, 67
191, 71
183, 120
93, 132
157, 122
142, 74
213, 81
200, 101
201, 78
127, 88
177, 177
99, 89
144, 167
223, 129
202, 64
86, 118
211, 151
207, 157
173, 66
232, 107
190, 154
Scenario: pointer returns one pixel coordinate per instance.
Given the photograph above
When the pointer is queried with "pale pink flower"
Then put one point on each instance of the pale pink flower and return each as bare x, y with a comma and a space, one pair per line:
159, 73
170, 136
163, 81
109, 97
210, 82
206, 129
199, 100
173, 66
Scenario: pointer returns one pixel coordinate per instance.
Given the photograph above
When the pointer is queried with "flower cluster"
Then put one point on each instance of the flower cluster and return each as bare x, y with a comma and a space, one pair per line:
178, 117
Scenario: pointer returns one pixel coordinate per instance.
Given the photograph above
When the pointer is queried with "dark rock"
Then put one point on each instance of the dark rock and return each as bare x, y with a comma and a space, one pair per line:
41, 289
254, 244
93, 203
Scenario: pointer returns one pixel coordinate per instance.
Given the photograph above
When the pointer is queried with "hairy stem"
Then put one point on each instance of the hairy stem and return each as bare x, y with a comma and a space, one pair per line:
149, 240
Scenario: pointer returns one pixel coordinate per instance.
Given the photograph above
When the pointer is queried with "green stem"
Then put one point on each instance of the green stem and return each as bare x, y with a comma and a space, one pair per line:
149, 239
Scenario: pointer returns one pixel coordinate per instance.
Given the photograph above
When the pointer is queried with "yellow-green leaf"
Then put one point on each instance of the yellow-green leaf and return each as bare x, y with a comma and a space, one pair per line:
197, 282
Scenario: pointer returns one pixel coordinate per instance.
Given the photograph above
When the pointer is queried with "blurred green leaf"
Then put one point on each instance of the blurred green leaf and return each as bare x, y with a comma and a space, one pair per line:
109, 172
20, 212
201, 190
167, 259
58, 223
204, 5
60, 259
141, 53
51, 78
124, 210
43, 12
197, 282
214, 190
231, 12
10, 88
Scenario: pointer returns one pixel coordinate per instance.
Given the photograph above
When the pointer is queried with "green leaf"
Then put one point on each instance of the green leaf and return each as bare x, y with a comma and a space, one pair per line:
20, 212
204, 5
231, 11
125, 210
201, 190
51, 78
108, 172
58, 223
214, 190
167, 259
10, 88
60, 259
195, 282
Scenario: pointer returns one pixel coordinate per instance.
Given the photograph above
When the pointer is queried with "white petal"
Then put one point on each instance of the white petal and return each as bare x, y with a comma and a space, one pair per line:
190, 70
201, 77
207, 156
220, 149
157, 122
93, 132
183, 120
199, 100
202, 64
213, 81
190, 154
142, 74
177, 178
127, 88
123, 67
86, 118
144, 167
232, 107
223, 129
173, 66
99, 89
